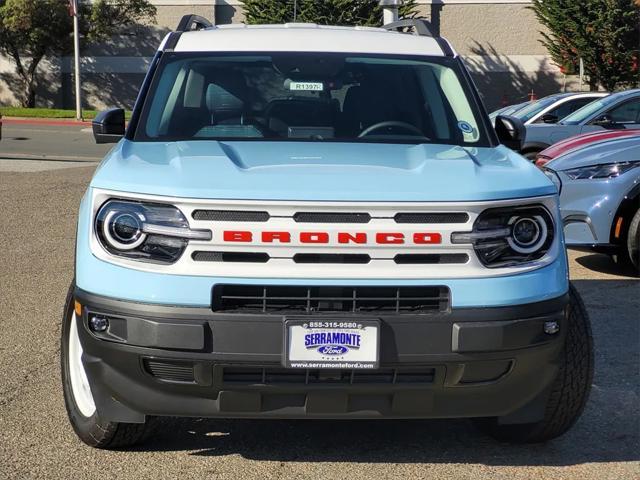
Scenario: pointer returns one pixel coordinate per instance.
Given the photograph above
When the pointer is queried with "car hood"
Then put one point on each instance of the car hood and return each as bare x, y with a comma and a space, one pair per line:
256, 170
619, 150
585, 139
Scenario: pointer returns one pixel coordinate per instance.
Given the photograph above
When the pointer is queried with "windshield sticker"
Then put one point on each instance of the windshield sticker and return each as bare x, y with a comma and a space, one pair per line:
465, 127
306, 86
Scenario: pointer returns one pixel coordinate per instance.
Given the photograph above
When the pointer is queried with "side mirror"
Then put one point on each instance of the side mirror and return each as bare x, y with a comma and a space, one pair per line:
603, 121
549, 118
108, 126
510, 131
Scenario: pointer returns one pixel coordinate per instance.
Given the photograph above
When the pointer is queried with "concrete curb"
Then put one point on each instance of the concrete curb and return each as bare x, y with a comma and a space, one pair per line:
44, 121
53, 158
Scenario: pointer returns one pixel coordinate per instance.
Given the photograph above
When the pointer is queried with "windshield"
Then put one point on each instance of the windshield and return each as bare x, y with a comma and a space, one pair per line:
309, 97
531, 110
509, 110
585, 112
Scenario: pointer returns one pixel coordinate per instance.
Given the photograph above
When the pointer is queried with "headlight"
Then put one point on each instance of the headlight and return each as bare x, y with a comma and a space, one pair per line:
607, 170
145, 231
510, 236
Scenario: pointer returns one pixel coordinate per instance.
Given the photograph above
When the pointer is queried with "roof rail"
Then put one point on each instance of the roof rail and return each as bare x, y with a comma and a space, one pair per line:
193, 22
420, 26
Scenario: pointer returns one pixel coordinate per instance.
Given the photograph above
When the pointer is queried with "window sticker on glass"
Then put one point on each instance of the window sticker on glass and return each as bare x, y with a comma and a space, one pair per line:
306, 86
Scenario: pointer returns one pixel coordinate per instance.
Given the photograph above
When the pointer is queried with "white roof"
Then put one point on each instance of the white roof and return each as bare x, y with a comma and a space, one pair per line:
297, 37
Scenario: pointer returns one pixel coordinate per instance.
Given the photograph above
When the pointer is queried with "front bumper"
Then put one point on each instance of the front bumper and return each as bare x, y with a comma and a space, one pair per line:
190, 361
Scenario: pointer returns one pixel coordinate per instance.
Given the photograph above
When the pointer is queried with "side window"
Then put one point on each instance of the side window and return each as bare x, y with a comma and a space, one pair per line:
628, 112
568, 108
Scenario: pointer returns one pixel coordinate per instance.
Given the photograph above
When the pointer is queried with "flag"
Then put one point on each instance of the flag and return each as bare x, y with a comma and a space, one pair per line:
73, 8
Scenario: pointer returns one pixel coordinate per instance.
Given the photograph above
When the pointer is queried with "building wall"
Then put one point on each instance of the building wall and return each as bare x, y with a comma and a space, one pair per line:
499, 39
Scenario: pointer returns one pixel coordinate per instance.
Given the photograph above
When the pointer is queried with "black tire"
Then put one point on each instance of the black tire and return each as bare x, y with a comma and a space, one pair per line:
531, 156
92, 430
631, 248
570, 390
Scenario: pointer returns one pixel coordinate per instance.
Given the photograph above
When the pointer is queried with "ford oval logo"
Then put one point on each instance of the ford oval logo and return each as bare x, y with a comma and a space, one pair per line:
333, 350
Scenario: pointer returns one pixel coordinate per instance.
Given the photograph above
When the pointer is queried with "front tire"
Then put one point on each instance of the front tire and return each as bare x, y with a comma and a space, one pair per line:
632, 246
78, 399
570, 390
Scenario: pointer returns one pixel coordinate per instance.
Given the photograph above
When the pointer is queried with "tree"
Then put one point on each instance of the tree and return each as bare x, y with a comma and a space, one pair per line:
31, 30
604, 33
326, 12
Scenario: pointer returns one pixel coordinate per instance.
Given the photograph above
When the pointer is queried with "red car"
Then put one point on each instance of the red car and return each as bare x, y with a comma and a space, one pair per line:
580, 141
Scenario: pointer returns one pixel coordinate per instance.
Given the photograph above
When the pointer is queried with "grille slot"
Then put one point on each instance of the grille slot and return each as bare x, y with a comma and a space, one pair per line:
331, 258
279, 376
430, 258
230, 215
239, 257
331, 217
330, 299
432, 217
170, 371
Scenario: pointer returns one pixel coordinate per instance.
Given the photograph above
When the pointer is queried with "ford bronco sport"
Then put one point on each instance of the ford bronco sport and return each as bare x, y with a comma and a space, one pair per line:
318, 222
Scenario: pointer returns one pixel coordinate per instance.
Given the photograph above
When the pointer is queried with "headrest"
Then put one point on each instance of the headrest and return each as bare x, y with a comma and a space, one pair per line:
220, 101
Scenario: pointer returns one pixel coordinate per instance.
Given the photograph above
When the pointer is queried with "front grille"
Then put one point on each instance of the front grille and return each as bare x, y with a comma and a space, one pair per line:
280, 376
230, 216
331, 217
169, 370
241, 257
330, 299
432, 217
331, 258
430, 258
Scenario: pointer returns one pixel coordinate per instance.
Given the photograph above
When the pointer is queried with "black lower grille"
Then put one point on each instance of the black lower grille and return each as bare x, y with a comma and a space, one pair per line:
331, 217
170, 371
350, 258
238, 257
430, 258
279, 376
432, 217
230, 216
330, 299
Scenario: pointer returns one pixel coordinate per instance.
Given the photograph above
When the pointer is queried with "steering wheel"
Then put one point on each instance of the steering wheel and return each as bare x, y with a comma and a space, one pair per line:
388, 124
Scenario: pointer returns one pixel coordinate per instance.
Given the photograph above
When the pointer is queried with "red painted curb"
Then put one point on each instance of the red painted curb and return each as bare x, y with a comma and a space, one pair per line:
43, 121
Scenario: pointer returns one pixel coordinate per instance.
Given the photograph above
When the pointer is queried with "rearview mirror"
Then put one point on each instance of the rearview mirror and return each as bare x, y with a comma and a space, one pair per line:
510, 131
109, 126
549, 118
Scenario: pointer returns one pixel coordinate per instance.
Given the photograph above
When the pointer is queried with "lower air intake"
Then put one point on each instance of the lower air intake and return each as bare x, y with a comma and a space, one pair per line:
170, 371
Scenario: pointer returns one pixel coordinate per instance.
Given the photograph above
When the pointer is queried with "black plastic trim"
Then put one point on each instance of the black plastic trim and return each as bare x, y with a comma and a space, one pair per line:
142, 95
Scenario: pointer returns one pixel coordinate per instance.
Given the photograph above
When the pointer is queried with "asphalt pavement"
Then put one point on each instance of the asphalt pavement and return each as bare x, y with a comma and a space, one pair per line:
37, 225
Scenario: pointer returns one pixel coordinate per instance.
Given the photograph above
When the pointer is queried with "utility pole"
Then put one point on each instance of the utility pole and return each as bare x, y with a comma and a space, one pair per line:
295, 10
390, 10
73, 11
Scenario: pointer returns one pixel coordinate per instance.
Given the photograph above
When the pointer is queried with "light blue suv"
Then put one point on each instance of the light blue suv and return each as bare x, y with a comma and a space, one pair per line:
318, 222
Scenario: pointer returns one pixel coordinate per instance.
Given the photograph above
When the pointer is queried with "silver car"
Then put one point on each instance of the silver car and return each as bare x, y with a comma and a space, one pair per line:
600, 197
617, 111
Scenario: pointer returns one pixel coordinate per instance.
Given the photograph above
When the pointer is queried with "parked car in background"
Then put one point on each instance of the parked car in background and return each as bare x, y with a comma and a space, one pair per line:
600, 197
555, 107
580, 141
508, 110
618, 111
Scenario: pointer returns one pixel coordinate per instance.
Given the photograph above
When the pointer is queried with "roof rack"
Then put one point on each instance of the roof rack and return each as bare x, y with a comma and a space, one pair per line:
193, 22
420, 26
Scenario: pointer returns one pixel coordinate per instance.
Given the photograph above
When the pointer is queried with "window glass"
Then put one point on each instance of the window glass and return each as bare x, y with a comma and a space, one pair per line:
628, 112
309, 96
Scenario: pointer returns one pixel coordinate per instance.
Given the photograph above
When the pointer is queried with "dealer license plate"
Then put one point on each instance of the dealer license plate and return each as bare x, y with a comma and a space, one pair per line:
349, 344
